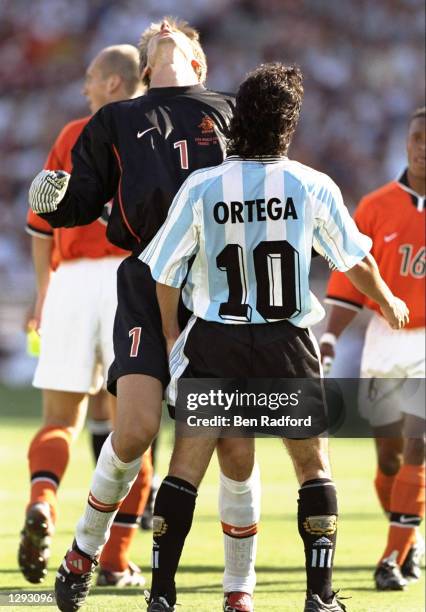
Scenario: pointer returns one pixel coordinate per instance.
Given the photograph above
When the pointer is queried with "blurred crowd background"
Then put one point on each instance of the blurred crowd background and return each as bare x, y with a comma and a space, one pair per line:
363, 62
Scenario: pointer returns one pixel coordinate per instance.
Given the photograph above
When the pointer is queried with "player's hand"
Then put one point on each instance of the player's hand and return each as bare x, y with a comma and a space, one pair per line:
47, 190
327, 343
32, 319
327, 357
396, 313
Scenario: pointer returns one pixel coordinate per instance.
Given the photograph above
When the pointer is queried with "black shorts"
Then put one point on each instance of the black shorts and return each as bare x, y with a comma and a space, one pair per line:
218, 350
139, 345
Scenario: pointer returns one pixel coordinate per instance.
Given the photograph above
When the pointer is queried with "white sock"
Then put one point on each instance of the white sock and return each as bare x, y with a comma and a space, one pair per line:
111, 483
239, 509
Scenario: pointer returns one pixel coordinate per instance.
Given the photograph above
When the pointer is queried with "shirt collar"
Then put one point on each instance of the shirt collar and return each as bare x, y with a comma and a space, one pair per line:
262, 159
416, 198
175, 91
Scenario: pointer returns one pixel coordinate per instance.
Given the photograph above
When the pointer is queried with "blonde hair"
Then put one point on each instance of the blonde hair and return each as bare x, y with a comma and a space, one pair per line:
181, 26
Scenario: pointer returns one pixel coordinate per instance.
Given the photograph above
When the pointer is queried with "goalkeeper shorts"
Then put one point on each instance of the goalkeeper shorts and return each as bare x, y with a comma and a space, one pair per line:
139, 346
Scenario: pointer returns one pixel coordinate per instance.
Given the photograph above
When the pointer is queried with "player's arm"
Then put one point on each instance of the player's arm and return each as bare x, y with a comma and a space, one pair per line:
168, 254
366, 277
42, 242
339, 240
41, 251
67, 200
338, 320
168, 300
345, 300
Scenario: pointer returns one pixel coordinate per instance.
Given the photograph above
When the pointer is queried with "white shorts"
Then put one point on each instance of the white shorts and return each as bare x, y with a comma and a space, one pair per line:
76, 328
389, 360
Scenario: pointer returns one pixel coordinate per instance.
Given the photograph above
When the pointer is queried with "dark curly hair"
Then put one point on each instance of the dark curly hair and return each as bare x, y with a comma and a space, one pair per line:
267, 111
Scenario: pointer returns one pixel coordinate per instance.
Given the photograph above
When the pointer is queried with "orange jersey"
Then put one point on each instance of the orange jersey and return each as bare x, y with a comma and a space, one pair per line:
76, 242
394, 218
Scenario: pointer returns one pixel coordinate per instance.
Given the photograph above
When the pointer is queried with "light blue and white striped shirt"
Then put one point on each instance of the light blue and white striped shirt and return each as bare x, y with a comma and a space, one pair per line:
251, 225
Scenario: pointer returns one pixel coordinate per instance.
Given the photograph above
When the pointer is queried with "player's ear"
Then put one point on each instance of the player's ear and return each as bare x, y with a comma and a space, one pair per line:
113, 83
196, 66
146, 73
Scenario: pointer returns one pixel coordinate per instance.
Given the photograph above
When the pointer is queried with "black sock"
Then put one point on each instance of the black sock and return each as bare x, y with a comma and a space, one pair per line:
173, 512
317, 520
99, 432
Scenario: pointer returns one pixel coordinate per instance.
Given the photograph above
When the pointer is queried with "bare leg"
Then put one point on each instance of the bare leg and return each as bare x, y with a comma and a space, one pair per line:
389, 445
138, 418
310, 458
64, 409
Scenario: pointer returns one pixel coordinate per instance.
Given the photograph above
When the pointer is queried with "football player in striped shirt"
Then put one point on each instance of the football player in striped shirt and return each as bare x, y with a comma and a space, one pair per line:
250, 225
394, 217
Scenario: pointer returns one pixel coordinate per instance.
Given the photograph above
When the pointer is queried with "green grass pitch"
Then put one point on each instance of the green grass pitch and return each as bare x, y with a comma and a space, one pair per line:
362, 527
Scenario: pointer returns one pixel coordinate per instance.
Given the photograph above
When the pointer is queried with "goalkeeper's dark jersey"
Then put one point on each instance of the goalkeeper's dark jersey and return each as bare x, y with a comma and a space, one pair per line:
139, 152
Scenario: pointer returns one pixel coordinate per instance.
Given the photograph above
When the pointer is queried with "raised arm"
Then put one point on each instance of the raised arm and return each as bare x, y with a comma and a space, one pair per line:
68, 200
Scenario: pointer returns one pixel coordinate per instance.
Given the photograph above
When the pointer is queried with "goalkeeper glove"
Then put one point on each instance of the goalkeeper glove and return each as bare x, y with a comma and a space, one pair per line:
47, 190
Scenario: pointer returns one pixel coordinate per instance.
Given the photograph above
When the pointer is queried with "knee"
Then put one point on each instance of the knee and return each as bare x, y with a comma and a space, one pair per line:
389, 459
236, 458
414, 451
131, 444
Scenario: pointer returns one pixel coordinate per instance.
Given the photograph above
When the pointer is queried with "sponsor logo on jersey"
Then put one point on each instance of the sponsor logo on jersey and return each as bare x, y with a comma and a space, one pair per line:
140, 134
207, 125
321, 525
159, 526
390, 237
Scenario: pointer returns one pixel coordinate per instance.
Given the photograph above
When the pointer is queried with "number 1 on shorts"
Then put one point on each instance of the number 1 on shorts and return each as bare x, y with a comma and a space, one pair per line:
135, 334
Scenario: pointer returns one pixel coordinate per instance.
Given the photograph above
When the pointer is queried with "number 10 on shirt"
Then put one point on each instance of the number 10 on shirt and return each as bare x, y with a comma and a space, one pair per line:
276, 265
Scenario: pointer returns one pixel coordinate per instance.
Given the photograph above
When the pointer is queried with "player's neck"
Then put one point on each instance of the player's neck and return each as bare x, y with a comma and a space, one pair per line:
173, 72
123, 95
416, 183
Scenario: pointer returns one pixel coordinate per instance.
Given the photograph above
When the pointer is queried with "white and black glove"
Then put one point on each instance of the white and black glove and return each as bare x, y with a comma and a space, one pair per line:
47, 190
